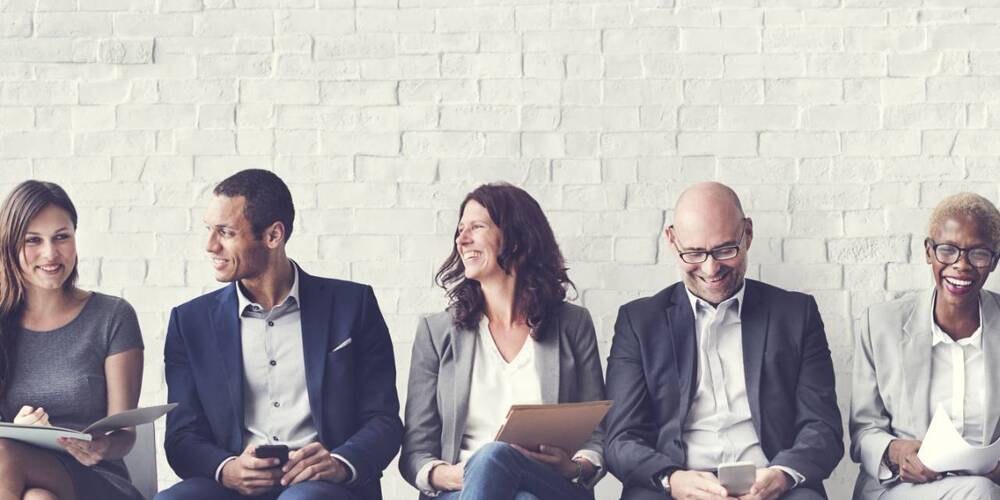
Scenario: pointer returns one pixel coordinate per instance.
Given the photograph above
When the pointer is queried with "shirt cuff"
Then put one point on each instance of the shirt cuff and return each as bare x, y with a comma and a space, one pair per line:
797, 478
598, 461
423, 478
350, 468
218, 470
885, 472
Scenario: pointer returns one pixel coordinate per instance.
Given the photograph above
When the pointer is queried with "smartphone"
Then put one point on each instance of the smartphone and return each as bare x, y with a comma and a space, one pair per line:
737, 477
278, 451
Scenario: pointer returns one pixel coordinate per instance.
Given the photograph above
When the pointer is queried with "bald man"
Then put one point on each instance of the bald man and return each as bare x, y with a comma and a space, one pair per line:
720, 369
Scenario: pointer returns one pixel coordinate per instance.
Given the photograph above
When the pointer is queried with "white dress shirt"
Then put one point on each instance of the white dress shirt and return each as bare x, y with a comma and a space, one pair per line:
495, 386
719, 427
957, 375
275, 402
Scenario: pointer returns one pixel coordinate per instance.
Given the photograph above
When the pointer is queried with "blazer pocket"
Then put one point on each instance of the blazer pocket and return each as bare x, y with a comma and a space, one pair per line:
341, 345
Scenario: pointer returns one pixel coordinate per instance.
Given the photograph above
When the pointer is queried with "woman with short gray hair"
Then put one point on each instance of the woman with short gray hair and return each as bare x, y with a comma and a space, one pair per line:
938, 349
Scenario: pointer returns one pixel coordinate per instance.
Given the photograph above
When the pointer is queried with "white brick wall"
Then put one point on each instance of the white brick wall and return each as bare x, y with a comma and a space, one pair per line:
840, 122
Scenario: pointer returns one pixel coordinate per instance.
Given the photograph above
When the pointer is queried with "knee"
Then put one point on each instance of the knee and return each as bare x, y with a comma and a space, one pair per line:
524, 495
11, 458
802, 494
493, 452
39, 494
189, 489
9, 450
979, 487
316, 490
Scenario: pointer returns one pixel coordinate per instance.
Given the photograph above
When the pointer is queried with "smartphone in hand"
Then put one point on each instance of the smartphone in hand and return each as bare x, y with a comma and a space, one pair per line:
278, 451
737, 477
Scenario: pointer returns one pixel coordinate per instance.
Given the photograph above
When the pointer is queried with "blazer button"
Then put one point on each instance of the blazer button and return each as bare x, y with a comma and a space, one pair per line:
273, 362
277, 404
270, 323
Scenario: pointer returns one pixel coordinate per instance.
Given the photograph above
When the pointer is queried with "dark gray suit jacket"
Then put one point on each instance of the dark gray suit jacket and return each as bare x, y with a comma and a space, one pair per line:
441, 367
653, 376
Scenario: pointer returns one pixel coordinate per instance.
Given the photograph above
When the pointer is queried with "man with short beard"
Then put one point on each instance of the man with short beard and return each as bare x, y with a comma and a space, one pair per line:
276, 357
720, 369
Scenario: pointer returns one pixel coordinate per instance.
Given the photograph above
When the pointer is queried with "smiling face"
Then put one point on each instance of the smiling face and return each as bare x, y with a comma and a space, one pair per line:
478, 241
49, 254
713, 280
961, 281
708, 216
235, 252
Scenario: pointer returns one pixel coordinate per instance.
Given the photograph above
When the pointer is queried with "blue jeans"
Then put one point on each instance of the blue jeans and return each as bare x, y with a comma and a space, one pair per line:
200, 488
499, 472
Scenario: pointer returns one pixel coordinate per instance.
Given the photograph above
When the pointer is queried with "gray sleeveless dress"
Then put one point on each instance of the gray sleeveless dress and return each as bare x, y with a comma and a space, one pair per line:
62, 370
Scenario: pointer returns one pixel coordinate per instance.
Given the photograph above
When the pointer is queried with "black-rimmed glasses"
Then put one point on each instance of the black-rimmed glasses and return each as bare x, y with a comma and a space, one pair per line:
719, 253
948, 254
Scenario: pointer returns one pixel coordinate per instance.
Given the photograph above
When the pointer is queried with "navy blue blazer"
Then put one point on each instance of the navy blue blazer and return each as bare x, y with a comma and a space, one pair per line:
352, 391
653, 377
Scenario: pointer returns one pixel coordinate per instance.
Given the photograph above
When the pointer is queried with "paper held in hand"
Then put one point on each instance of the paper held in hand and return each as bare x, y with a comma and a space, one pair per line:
567, 425
48, 437
944, 450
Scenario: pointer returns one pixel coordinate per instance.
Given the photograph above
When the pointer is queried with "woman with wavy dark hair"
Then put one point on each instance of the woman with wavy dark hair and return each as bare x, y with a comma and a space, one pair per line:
68, 357
508, 337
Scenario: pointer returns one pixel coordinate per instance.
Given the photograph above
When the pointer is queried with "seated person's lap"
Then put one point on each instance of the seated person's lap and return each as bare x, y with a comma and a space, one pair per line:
200, 488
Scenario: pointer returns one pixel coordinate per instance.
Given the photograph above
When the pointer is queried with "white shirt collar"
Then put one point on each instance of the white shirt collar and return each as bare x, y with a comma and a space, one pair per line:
938, 335
243, 301
737, 297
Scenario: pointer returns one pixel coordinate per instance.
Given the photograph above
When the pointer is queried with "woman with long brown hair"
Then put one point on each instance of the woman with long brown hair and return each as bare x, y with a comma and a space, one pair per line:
68, 357
508, 337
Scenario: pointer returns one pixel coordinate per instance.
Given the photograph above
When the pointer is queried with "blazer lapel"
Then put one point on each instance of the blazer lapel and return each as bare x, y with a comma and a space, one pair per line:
991, 356
680, 328
548, 361
315, 311
228, 336
464, 342
753, 325
916, 353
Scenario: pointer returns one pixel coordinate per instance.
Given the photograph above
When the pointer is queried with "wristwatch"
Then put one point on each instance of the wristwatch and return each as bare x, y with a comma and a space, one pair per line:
663, 478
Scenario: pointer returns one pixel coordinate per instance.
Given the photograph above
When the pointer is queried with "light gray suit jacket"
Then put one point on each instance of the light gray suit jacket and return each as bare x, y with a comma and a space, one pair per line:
441, 366
892, 379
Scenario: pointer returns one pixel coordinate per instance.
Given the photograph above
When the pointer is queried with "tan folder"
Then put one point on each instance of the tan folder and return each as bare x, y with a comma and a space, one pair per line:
566, 425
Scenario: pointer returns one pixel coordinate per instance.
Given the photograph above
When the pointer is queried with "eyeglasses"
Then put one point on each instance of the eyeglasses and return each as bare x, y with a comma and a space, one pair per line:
719, 253
949, 254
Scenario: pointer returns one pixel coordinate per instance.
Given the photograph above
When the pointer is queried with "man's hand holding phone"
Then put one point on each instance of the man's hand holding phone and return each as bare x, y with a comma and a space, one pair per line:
251, 475
737, 477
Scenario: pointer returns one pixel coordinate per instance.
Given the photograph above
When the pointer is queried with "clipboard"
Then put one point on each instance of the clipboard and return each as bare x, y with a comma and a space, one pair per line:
48, 437
566, 425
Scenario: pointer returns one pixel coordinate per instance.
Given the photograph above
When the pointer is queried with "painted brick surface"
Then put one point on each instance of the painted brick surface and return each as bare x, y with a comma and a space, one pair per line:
840, 123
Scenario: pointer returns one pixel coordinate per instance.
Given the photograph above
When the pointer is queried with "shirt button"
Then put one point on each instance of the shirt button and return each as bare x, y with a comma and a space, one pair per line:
276, 404
270, 323
273, 362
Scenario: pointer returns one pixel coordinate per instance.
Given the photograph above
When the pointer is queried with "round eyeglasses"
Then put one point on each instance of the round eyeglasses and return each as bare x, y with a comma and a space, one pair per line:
949, 254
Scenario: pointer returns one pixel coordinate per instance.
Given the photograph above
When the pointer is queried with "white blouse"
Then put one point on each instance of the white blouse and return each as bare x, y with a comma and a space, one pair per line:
495, 386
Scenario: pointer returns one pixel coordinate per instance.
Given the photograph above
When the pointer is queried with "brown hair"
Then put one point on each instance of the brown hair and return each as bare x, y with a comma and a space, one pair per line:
528, 246
22, 204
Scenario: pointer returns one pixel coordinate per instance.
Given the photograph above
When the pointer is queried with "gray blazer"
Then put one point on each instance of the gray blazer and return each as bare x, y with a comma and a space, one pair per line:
892, 379
441, 367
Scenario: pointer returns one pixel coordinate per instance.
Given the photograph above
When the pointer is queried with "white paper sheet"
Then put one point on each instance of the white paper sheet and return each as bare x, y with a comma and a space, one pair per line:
944, 449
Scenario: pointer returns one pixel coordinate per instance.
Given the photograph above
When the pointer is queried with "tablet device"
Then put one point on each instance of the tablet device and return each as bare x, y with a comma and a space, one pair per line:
566, 425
